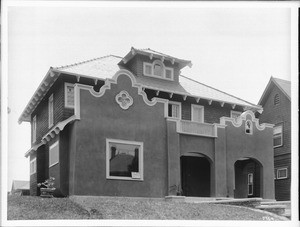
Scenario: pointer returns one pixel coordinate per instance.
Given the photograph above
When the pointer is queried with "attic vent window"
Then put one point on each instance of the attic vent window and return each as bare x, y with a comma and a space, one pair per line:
248, 127
276, 99
158, 70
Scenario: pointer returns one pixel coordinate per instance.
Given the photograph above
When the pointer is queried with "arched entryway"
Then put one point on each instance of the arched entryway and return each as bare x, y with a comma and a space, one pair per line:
248, 178
195, 175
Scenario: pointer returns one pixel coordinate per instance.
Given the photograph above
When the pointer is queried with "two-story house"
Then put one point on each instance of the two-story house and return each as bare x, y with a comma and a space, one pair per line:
276, 101
134, 126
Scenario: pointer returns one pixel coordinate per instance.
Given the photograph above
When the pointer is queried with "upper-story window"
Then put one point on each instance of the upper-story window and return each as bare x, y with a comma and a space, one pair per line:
277, 136
198, 113
248, 127
34, 129
174, 110
276, 99
158, 70
69, 95
50, 110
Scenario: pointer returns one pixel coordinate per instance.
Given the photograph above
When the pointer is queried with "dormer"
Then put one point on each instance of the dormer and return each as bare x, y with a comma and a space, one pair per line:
151, 64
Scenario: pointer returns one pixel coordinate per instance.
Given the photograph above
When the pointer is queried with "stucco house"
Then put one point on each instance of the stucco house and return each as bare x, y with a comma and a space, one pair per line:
276, 102
134, 126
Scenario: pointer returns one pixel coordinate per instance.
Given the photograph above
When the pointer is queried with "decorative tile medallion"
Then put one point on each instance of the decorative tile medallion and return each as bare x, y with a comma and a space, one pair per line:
124, 100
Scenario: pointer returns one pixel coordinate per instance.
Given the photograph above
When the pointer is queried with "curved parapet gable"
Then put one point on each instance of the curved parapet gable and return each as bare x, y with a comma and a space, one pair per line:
113, 80
239, 121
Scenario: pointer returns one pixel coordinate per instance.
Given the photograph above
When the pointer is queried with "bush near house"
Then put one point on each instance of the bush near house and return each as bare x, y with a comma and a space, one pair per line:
37, 208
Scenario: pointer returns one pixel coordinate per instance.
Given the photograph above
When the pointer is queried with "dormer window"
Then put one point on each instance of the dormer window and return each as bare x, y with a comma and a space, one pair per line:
158, 70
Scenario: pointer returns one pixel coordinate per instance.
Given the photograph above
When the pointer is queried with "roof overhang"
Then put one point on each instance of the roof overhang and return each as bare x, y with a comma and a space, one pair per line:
43, 88
38, 95
153, 54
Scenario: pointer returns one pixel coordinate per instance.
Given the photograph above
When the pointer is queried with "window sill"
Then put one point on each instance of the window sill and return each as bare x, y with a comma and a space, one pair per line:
124, 178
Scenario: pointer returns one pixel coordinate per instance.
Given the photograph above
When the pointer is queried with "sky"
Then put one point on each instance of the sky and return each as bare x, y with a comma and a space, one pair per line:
235, 50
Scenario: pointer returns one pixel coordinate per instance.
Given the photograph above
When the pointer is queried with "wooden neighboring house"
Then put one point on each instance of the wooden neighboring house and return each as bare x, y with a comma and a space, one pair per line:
276, 102
134, 126
20, 187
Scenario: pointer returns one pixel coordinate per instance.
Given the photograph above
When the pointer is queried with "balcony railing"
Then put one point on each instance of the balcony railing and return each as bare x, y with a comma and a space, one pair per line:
196, 128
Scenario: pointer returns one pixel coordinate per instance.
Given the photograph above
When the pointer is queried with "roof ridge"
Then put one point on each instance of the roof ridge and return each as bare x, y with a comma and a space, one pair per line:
218, 90
276, 78
145, 49
82, 62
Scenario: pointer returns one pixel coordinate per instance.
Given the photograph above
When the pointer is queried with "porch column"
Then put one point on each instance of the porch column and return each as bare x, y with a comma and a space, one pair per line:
173, 148
220, 164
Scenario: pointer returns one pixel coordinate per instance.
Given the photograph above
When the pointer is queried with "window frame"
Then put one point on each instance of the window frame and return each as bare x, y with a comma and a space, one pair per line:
32, 171
192, 112
164, 68
34, 126
66, 95
51, 147
281, 135
175, 103
50, 111
141, 159
280, 169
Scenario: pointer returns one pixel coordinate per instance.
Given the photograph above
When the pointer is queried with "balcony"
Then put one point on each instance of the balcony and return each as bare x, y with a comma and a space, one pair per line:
196, 128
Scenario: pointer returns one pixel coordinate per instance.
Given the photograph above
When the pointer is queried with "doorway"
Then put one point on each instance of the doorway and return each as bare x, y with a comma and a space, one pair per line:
247, 178
195, 175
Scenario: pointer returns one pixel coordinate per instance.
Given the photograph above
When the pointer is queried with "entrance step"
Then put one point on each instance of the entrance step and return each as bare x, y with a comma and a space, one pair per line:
276, 209
287, 204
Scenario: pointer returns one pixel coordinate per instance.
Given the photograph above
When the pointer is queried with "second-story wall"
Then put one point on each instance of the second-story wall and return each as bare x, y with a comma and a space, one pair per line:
60, 111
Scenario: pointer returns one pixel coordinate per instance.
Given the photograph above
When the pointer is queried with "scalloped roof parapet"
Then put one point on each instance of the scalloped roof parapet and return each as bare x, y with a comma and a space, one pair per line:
113, 80
240, 120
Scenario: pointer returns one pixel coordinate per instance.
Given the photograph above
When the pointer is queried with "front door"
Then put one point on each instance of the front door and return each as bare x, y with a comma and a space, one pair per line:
195, 175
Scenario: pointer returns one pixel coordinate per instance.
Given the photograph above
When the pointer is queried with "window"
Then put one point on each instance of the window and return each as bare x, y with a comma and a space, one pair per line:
248, 127
276, 99
54, 154
250, 184
69, 95
148, 69
124, 159
174, 110
50, 110
235, 114
282, 173
197, 113
34, 129
33, 166
277, 136
157, 69
169, 73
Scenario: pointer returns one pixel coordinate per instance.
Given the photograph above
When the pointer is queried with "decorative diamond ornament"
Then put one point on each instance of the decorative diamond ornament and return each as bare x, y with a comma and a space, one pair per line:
124, 100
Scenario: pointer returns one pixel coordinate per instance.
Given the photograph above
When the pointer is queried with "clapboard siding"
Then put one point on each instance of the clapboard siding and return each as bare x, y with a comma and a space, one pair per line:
283, 186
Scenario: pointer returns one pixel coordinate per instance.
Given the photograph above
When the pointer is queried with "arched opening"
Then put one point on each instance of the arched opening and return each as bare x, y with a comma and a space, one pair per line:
195, 175
248, 178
